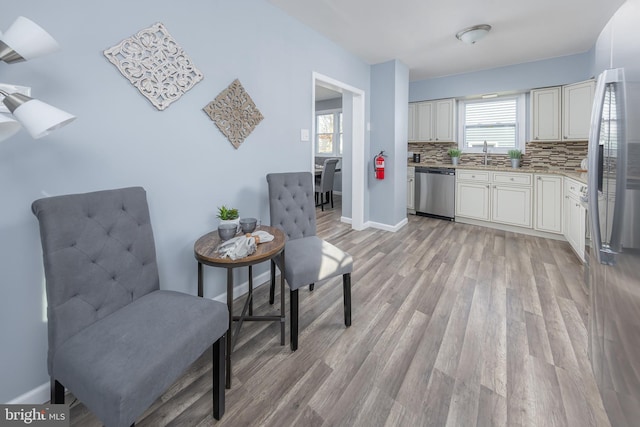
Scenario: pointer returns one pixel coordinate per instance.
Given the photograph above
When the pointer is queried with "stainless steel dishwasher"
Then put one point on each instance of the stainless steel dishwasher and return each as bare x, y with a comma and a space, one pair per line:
435, 192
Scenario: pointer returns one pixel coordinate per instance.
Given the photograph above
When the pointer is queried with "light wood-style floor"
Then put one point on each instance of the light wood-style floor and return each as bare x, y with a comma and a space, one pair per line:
453, 325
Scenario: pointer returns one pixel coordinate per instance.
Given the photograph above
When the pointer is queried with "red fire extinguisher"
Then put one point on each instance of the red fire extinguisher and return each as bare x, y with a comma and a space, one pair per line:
378, 165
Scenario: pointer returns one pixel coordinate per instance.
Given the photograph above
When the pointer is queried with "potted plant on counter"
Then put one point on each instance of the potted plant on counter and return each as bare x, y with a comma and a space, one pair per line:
228, 216
515, 156
454, 153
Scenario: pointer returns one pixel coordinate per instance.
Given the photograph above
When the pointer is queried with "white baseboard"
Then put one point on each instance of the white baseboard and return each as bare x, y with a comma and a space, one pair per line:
37, 396
243, 288
386, 227
41, 394
345, 220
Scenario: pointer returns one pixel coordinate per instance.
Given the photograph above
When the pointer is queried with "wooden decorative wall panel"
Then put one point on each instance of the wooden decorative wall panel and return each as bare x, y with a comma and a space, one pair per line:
235, 113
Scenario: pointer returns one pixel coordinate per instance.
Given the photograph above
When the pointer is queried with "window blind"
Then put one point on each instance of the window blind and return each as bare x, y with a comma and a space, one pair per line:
493, 121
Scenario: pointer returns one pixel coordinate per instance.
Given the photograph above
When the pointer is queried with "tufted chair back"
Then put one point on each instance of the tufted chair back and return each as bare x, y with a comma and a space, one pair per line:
99, 255
292, 203
328, 175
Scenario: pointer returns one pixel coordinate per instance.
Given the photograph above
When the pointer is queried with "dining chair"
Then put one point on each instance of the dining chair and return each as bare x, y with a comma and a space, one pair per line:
309, 259
324, 184
117, 341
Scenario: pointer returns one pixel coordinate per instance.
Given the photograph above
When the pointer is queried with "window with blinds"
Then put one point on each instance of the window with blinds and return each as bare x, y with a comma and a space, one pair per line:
493, 120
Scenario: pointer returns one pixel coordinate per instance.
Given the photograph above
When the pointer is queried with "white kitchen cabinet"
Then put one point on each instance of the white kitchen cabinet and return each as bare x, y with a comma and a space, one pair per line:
472, 194
424, 117
472, 200
511, 205
500, 197
444, 120
511, 198
545, 114
562, 113
432, 121
548, 203
577, 101
574, 217
411, 188
412, 133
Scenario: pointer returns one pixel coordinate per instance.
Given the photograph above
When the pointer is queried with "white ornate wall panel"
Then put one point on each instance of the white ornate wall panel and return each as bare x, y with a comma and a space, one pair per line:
155, 64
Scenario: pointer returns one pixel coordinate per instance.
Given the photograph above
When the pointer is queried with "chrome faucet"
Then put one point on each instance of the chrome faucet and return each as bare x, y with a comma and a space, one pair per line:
485, 150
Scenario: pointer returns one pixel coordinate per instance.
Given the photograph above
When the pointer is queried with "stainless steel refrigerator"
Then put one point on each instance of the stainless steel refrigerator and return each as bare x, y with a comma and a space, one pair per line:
614, 214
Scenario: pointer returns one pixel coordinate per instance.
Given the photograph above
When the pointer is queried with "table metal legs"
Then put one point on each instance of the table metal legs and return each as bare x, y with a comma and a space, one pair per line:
231, 337
229, 342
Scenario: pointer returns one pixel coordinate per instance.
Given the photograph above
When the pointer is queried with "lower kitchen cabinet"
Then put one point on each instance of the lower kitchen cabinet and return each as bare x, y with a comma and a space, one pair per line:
523, 202
548, 203
511, 205
411, 189
500, 197
472, 200
574, 217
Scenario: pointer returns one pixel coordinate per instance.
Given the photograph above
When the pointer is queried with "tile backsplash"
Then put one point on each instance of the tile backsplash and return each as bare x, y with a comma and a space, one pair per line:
565, 155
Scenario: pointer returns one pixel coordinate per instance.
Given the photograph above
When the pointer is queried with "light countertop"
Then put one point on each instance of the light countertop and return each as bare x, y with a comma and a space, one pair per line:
578, 176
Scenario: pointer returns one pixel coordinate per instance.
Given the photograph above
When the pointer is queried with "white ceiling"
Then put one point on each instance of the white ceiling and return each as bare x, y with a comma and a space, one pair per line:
421, 33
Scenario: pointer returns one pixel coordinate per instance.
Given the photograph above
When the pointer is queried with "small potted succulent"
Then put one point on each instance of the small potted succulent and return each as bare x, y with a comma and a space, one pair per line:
515, 156
454, 153
227, 216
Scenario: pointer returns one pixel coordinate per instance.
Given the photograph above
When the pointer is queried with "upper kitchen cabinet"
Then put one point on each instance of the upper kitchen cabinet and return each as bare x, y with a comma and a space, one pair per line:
412, 133
562, 113
545, 114
577, 101
432, 121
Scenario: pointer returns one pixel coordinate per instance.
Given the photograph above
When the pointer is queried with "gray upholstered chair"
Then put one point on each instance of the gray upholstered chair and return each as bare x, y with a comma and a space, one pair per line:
324, 185
308, 259
117, 341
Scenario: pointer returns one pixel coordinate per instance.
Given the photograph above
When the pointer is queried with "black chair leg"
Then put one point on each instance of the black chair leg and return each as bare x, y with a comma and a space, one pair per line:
331, 193
322, 202
346, 285
218, 377
311, 287
272, 289
293, 300
57, 392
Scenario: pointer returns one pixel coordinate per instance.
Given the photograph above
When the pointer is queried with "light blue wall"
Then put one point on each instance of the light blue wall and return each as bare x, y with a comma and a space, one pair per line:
389, 118
120, 139
520, 77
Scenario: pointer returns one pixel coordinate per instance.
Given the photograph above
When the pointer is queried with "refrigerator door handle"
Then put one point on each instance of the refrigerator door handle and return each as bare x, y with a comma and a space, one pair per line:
615, 243
604, 254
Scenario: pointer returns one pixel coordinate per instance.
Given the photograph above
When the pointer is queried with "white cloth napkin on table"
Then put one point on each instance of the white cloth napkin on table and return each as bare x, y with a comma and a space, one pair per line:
242, 246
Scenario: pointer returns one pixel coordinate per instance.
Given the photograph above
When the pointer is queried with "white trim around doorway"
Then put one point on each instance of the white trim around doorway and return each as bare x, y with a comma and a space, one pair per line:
357, 143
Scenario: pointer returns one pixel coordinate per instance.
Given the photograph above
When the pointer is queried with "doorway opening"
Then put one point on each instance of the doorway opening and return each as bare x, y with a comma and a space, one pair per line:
352, 150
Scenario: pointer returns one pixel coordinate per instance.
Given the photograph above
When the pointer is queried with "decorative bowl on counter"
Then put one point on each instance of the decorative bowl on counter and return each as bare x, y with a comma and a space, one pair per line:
227, 231
248, 224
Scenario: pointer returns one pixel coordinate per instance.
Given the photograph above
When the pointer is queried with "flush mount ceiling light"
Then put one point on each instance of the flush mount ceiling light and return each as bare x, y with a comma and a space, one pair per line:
472, 34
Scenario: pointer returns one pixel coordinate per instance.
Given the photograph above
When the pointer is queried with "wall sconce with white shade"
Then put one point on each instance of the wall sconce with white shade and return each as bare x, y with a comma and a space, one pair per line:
472, 34
37, 117
25, 40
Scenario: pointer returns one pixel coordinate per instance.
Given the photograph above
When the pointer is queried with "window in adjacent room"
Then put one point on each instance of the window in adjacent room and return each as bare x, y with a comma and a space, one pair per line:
329, 133
499, 121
